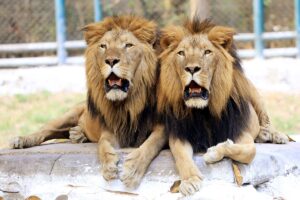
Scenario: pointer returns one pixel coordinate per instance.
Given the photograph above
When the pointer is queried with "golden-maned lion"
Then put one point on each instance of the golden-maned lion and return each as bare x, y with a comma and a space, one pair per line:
207, 102
121, 71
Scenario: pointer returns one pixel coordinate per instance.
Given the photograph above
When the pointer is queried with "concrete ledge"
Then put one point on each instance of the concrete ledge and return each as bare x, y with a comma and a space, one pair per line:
73, 170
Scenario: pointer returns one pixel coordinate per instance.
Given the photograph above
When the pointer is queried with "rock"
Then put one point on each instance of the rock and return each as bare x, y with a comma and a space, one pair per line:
56, 170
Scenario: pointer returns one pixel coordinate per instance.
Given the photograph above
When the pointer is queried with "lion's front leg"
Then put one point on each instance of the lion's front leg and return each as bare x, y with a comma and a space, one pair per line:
77, 135
108, 156
191, 177
137, 162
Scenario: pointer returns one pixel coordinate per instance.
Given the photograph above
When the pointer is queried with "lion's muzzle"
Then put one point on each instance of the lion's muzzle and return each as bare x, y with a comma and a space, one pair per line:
193, 90
113, 82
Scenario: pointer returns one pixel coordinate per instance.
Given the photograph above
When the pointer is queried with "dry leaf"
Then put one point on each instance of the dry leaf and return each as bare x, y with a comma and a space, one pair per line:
237, 174
291, 139
57, 141
175, 187
33, 198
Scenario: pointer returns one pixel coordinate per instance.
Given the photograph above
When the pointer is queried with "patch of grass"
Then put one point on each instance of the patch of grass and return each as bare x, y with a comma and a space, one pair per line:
284, 111
24, 114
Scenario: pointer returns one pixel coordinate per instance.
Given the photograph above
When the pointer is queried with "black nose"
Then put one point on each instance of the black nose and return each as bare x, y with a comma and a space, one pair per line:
111, 61
193, 69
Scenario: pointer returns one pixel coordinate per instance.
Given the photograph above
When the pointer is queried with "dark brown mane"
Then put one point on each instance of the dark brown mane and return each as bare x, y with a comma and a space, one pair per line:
196, 25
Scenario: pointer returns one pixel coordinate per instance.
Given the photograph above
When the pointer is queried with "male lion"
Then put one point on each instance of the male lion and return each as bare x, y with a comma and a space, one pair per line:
207, 102
121, 71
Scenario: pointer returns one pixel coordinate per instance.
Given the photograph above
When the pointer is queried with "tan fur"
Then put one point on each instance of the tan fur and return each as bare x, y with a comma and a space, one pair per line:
185, 46
112, 118
118, 118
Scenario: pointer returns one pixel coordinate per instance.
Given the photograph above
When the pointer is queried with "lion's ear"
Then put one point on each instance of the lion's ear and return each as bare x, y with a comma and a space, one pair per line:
93, 32
146, 32
221, 35
170, 35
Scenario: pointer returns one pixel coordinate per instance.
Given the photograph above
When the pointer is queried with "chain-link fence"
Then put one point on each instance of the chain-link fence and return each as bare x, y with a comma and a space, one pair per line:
30, 21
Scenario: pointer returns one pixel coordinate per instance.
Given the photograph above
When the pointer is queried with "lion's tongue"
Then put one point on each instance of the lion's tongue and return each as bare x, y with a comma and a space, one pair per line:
195, 90
114, 81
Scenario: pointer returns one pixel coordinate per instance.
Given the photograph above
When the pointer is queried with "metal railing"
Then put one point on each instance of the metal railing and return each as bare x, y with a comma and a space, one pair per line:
61, 46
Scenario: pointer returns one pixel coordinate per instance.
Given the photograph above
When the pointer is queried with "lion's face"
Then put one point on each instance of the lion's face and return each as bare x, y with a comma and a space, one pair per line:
119, 55
194, 62
196, 67
121, 60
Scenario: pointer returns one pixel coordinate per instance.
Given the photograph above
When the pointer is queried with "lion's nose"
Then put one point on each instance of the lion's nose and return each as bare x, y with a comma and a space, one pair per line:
193, 69
112, 61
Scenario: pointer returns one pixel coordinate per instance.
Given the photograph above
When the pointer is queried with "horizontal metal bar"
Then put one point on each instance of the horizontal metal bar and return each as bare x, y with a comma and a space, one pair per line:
45, 46
38, 61
80, 44
286, 35
274, 52
79, 60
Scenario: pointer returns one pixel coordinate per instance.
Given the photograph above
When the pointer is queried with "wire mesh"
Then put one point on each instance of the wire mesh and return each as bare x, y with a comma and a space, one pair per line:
34, 20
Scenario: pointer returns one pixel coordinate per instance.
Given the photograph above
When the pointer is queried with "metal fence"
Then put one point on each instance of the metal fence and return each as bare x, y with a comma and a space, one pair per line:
49, 30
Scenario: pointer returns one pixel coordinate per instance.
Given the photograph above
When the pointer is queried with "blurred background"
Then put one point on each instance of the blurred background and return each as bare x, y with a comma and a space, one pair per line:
42, 64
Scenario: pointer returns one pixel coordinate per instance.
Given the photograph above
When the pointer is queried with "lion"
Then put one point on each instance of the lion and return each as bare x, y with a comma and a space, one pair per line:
206, 101
120, 111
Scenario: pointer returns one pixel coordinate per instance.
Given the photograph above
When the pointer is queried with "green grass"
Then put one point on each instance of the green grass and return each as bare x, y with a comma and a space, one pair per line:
284, 111
24, 114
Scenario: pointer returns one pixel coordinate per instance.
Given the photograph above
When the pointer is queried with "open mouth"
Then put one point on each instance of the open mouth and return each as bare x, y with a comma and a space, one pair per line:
193, 90
113, 82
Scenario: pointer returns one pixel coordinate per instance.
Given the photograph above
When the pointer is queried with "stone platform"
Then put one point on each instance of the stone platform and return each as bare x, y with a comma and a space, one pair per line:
72, 171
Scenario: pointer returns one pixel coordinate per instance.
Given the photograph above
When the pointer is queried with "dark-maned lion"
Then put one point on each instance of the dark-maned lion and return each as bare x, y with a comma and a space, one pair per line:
121, 71
207, 102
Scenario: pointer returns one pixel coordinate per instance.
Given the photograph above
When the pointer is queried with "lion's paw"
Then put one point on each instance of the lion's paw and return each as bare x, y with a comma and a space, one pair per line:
212, 155
264, 135
190, 186
109, 166
20, 142
77, 135
134, 168
280, 138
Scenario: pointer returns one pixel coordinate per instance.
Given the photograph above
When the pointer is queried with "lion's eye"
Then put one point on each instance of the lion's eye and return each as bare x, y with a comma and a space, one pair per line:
128, 45
102, 46
206, 52
181, 53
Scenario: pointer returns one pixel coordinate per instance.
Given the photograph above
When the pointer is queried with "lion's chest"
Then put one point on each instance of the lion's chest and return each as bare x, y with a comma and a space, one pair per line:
203, 130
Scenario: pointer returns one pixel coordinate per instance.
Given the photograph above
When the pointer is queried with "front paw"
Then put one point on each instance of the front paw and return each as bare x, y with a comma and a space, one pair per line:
109, 166
77, 135
134, 168
190, 185
279, 138
21, 142
216, 153
264, 135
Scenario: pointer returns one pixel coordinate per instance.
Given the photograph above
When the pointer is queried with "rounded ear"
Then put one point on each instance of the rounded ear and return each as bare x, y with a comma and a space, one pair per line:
93, 32
146, 31
171, 35
223, 36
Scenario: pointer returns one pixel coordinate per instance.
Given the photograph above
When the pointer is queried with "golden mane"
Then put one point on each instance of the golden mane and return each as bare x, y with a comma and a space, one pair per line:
122, 117
143, 29
227, 82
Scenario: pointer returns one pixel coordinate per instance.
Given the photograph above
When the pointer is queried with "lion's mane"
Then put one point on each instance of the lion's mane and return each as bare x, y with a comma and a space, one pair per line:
131, 120
227, 112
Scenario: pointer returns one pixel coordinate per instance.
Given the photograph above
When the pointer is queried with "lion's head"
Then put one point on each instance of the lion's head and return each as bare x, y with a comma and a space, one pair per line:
121, 70
197, 68
120, 55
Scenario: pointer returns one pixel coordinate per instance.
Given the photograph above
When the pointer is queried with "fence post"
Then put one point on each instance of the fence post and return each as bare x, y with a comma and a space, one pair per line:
297, 25
258, 9
97, 10
60, 30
